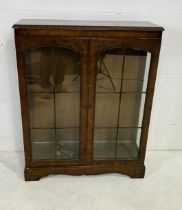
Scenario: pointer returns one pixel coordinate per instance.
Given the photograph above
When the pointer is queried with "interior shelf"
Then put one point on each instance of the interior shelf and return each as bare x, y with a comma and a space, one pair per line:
70, 150
107, 150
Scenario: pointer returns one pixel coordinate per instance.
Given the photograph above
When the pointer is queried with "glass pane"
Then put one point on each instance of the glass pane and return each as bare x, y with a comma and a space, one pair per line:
131, 109
106, 108
67, 143
49, 67
37, 70
104, 143
41, 109
67, 109
136, 69
43, 144
53, 74
109, 72
121, 83
127, 143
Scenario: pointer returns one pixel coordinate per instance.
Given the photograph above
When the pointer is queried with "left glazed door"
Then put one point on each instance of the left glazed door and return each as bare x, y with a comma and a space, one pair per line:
53, 90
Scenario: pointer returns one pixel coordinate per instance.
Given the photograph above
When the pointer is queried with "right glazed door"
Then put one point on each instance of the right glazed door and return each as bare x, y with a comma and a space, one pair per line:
118, 83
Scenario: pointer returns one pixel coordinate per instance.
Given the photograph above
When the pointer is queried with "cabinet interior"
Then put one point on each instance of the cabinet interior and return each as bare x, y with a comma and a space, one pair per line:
54, 75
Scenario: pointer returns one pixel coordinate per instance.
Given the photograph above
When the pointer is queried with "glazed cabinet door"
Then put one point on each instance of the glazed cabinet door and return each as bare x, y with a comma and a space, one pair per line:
119, 99
53, 90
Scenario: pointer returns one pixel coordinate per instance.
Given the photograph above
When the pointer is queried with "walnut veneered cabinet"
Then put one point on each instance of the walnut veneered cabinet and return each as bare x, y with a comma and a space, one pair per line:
86, 90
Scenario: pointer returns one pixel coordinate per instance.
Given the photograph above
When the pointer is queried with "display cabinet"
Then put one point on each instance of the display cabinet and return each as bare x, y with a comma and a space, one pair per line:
86, 90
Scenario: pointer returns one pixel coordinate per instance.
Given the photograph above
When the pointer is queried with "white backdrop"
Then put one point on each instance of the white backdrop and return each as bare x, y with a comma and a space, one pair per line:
166, 122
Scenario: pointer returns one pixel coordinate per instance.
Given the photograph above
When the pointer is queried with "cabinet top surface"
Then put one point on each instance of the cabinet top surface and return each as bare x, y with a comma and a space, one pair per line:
88, 25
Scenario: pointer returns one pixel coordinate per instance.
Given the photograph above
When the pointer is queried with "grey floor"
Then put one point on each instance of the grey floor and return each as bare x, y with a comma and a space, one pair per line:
160, 190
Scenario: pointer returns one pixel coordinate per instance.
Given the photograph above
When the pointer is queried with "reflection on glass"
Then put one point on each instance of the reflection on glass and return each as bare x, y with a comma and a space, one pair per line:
52, 67
122, 75
107, 80
53, 74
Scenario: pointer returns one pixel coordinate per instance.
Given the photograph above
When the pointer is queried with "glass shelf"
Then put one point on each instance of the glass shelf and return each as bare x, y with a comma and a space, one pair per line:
107, 150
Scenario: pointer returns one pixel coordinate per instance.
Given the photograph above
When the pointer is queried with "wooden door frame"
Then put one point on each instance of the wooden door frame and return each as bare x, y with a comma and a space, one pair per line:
76, 44
97, 46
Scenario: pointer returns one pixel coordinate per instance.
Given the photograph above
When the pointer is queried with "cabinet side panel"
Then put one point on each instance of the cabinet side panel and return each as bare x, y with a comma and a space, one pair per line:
148, 103
23, 101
